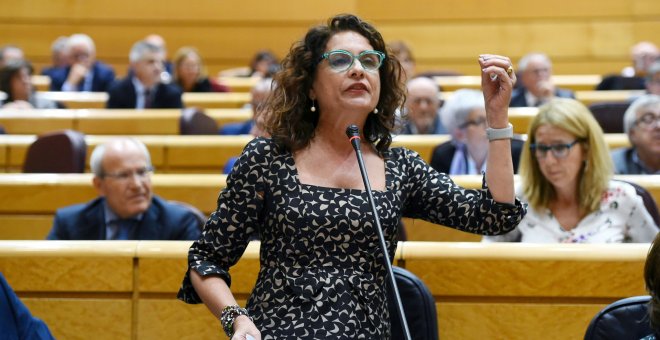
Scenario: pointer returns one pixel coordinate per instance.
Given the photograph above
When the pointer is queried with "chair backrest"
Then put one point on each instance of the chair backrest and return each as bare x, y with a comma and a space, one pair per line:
609, 115
199, 215
649, 202
623, 319
418, 305
57, 152
194, 121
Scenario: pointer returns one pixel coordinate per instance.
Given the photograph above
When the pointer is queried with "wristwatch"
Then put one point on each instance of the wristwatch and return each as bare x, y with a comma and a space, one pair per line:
506, 133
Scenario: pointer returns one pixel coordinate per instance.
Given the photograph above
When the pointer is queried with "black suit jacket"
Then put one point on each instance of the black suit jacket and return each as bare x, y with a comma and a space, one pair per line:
162, 221
518, 98
103, 77
618, 82
123, 96
444, 153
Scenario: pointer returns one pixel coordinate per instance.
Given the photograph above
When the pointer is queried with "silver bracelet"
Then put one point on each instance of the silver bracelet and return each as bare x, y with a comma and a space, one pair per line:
494, 134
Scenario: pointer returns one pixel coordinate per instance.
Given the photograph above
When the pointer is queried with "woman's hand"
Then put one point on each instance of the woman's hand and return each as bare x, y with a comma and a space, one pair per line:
497, 85
244, 326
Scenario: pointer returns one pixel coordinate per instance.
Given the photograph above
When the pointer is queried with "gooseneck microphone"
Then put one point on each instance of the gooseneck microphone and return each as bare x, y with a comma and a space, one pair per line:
353, 134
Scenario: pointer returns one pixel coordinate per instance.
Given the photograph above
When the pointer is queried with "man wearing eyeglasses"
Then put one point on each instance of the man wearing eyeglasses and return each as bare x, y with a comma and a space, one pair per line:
126, 208
641, 123
422, 105
536, 88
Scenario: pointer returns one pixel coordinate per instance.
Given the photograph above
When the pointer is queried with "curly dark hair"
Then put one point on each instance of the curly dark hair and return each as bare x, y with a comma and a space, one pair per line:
292, 124
8, 72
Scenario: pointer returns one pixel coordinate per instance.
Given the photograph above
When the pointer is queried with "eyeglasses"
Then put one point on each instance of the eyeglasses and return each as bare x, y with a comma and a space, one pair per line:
342, 60
127, 175
558, 150
481, 121
647, 120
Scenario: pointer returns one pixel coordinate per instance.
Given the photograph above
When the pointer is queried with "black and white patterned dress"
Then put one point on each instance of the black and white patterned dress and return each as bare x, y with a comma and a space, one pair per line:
321, 274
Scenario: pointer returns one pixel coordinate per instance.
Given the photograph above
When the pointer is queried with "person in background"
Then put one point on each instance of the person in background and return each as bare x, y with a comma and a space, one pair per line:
84, 72
264, 64
536, 88
642, 55
641, 123
652, 280
259, 93
10, 53
422, 107
16, 321
15, 82
126, 208
566, 173
466, 153
405, 56
653, 79
168, 67
190, 74
59, 58
321, 272
142, 88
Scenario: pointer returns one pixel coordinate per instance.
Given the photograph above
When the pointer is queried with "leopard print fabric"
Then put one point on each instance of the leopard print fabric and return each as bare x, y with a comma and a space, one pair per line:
321, 274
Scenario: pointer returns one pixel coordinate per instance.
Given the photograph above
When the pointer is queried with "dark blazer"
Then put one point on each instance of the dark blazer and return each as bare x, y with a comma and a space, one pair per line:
242, 128
16, 321
618, 82
122, 96
103, 77
162, 221
518, 96
444, 153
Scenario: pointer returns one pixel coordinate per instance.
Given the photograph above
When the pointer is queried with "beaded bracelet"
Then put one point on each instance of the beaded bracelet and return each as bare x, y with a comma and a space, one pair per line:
228, 315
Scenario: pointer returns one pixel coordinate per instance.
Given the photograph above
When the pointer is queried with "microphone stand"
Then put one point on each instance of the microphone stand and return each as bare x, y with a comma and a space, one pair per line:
353, 134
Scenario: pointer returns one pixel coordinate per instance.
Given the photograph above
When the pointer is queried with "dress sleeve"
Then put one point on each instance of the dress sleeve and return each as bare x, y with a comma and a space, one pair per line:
434, 197
639, 224
228, 230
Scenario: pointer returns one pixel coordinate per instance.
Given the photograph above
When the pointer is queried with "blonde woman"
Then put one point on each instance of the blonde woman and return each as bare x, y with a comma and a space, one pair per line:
566, 175
190, 74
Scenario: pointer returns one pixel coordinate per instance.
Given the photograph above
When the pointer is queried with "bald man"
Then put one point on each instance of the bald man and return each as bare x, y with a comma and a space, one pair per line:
421, 108
126, 208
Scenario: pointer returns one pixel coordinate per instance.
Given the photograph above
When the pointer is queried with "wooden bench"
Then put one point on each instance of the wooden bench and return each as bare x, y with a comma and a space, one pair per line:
28, 201
122, 289
575, 82
109, 121
97, 100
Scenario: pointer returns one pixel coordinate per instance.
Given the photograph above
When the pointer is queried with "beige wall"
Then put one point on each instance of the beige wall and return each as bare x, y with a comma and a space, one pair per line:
582, 37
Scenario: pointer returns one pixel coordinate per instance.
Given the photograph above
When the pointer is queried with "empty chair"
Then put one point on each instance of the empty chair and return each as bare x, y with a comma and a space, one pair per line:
418, 305
623, 319
57, 152
194, 121
609, 115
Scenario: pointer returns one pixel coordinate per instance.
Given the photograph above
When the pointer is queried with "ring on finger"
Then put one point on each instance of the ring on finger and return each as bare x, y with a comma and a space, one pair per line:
509, 70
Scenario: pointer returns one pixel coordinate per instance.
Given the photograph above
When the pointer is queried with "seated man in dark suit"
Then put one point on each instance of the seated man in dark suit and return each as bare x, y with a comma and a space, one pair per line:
642, 56
464, 116
84, 72
535, 70
260, 92
422, 107
142, 88
126, 209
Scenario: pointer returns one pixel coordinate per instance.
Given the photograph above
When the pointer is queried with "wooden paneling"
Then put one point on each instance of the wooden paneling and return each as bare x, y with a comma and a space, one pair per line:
25, 227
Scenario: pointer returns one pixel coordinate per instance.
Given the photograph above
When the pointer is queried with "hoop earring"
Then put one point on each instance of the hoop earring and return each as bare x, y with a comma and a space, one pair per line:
313, 108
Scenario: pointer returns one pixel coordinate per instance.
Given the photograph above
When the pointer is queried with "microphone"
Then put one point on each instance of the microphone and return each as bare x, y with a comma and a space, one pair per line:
353, 134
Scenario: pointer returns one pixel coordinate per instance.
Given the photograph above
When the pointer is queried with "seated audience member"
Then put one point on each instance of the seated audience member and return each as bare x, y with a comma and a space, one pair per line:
190, 75
15, 82
142, 88
536, 86
264, 64
9, 53
653, 79
405, 56
126, 208
58, 56
259, 93
652, 280
260, 112
16, 321
566, 179
84, 72
421, 114
641, 122
642, 56
168, 70
464, 116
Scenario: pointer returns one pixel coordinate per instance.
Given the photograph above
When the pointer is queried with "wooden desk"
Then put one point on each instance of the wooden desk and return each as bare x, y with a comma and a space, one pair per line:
239, 84
97, 100
575, 82
512, 291
109, 121
40, 82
